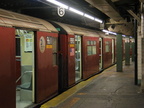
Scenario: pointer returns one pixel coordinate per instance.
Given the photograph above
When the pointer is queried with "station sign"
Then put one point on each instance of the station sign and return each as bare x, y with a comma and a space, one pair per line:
61, 11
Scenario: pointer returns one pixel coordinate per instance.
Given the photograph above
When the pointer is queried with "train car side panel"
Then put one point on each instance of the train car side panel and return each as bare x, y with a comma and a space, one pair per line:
90, 56
46, 72
7, 68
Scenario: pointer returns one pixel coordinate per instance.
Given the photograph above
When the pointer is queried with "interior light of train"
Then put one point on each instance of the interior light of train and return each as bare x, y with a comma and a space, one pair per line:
98, 20
76, 11
88, 16
58, 3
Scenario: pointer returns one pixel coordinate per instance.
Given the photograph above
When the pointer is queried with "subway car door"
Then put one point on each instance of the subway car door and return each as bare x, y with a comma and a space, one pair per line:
7, 67
107, 52
78, 58
25, 68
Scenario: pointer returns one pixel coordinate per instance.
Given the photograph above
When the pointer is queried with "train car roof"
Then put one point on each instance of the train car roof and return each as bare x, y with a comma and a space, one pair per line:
70, 29
12, 19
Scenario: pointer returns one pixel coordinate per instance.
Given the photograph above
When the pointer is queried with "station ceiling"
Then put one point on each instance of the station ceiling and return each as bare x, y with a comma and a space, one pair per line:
113, 12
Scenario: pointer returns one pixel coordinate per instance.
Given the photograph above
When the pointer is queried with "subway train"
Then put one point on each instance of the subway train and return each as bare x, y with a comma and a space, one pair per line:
40, 59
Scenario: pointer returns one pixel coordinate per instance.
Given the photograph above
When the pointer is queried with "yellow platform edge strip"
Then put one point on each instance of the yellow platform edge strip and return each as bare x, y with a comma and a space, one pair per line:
62, 97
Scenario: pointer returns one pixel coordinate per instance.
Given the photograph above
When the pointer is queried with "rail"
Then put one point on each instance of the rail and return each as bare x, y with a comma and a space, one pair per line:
22, 75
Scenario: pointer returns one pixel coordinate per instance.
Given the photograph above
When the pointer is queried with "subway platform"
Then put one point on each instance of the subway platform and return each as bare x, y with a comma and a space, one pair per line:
110, 89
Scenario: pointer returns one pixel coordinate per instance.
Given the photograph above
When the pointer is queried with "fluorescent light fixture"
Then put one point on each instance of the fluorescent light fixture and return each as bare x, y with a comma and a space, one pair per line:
124, 35
58, 3
76, 11
106, 31
112, 33
98, 20
88, 16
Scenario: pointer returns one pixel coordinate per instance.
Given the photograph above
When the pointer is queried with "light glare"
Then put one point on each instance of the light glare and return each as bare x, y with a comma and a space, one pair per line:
88, 16
76, 11
58, 3
98, 20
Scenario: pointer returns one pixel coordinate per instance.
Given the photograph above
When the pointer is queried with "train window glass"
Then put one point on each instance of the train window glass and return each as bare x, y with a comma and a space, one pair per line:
93, 49
54, 46
107, 46
91, 42
88, 42
94, 42
89, 50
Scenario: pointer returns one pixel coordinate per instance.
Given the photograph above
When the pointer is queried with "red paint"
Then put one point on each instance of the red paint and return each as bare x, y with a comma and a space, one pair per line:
90, 62
46, 73
7, 68
107, 56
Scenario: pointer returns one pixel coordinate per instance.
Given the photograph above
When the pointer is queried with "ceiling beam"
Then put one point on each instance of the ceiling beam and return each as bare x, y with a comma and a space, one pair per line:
134, 15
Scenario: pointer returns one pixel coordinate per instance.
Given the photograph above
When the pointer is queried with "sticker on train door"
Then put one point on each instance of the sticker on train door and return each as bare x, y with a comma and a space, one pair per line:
72, 42
72, 52
49, 42
42, 44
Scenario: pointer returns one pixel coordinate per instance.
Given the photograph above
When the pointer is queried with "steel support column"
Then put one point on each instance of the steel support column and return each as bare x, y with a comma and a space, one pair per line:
119, 52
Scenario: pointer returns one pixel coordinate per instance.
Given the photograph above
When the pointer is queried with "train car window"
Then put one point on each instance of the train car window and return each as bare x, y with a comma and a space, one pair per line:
107, 46
89, 50
91, 47
88, 42
55, 49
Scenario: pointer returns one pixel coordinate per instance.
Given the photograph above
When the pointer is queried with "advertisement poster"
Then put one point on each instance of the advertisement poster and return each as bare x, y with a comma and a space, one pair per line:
28, 42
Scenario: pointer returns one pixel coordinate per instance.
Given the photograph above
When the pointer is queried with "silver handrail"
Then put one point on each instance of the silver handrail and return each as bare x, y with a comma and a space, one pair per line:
22, 75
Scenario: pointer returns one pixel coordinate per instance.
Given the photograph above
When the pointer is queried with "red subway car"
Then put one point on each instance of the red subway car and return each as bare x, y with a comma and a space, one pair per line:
40, 59
28, 69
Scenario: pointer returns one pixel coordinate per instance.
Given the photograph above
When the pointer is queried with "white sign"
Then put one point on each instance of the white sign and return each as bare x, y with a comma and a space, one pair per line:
61, 11
42, 44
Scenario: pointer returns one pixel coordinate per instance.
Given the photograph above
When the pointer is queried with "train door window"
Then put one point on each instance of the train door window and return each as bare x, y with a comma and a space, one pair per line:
91, 48
107, 46
78, 61
100, 53
52, 44
25, 69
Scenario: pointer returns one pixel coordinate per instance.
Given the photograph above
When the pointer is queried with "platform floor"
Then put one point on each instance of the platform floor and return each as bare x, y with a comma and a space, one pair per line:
109, 89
